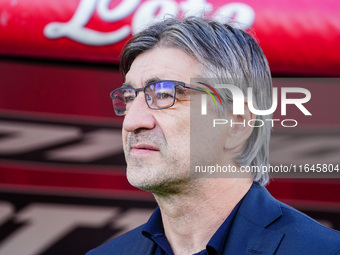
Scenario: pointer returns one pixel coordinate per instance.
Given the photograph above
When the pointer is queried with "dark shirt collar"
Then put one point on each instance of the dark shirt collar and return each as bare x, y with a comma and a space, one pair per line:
154, 230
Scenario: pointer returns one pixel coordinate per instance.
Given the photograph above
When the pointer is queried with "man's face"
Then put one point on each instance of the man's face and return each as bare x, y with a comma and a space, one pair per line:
157, 142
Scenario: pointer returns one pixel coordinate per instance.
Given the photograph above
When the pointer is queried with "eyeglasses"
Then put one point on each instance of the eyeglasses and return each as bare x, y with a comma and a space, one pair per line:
158, 95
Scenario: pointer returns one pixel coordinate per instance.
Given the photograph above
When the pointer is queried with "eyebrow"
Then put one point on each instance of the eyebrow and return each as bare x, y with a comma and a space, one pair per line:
152, 80
127, 85
148, 81
180, 89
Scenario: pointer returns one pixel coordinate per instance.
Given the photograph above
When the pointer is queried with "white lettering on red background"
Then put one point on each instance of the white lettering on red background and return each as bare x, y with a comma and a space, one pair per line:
144, 14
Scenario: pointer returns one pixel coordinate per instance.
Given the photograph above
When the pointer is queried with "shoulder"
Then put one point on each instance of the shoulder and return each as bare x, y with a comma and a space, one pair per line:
296, 232
300, 222
302, 232
132, 242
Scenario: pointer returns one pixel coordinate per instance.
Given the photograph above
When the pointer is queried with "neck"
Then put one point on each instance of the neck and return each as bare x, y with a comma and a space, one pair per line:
205, 207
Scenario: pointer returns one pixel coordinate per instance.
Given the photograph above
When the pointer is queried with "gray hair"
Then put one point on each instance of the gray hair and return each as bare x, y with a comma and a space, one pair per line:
229, 56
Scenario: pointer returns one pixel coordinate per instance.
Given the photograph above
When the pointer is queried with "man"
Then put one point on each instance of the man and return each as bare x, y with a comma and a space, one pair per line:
233, 215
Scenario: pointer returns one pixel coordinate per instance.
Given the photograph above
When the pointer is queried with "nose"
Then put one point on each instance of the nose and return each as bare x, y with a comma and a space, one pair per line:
139, 115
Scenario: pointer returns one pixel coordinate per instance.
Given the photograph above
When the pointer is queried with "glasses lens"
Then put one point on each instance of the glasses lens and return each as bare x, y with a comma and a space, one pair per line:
160, 95
122, 99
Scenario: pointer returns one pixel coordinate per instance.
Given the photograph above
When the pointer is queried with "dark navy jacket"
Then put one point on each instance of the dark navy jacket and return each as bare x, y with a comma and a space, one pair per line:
262, 226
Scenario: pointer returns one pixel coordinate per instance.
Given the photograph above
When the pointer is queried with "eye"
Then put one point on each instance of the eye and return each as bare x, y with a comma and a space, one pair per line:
129, 96
128, 99
164, 95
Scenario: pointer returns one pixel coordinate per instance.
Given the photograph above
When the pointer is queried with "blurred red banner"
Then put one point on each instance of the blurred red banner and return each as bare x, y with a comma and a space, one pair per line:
298, 37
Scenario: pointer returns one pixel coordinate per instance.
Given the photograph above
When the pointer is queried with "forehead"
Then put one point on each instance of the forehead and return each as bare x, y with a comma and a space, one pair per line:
162, 63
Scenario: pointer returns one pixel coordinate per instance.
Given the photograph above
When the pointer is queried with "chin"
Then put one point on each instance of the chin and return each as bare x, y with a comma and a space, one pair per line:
159, 187
138, 179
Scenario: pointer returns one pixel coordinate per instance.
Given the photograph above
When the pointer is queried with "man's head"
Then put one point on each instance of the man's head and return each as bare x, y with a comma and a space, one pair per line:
157, 142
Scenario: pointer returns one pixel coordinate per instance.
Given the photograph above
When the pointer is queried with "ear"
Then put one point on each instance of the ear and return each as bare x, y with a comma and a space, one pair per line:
239, 130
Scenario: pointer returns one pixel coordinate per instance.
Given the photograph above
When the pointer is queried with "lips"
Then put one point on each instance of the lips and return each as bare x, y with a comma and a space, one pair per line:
143, 148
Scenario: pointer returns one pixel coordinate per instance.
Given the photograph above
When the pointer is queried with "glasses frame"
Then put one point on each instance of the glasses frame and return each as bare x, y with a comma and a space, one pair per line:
176, 83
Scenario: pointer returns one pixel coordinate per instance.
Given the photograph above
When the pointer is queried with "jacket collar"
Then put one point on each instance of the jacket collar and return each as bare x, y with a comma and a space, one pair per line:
249, 233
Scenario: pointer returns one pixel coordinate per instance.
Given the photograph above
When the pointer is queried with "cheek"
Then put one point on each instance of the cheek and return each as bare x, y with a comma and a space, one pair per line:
179, 132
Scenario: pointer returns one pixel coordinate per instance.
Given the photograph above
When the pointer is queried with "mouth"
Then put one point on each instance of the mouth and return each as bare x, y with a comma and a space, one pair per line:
143, 149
